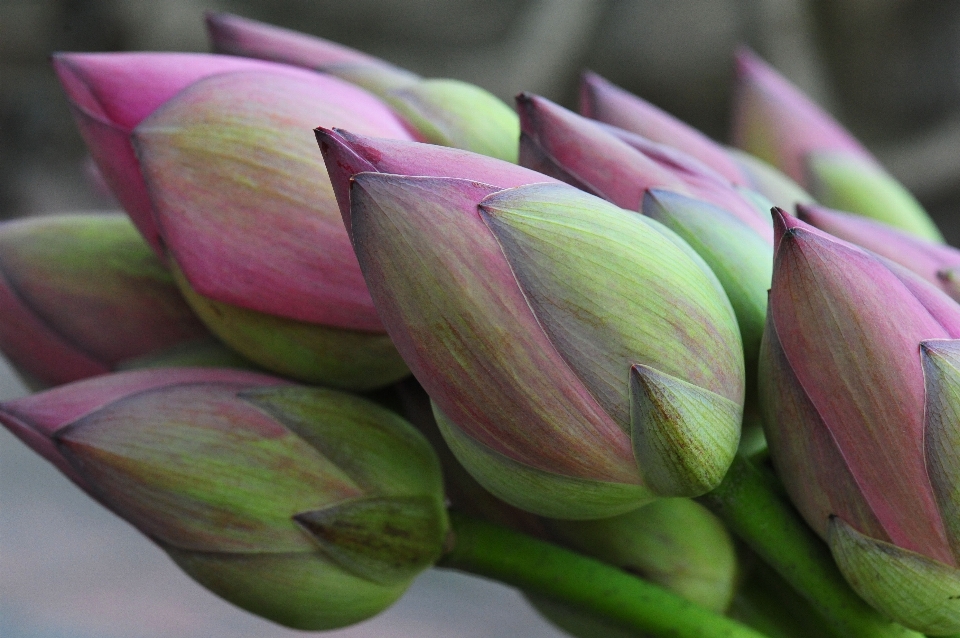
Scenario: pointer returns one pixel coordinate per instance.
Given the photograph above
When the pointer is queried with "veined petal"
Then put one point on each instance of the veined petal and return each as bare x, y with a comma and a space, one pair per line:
850, 331
604, 101
241, 197
453, 308
611, 292
941, 374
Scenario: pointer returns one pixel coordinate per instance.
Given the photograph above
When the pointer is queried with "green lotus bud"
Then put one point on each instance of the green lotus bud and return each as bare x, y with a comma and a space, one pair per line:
307, 506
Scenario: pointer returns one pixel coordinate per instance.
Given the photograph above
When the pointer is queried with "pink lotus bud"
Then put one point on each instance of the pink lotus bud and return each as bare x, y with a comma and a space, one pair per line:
587, 155
83, 295
937, 263
236, 35
245, 213
511, 290
443, 111
606, 102
776, 122
308, 506
860, 391
110, 93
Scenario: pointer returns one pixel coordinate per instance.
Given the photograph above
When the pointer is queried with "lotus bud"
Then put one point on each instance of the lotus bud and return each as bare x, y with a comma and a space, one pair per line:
110, 93
443, 111
605, 102
859, 389
776, 122
307, 506
584, 324
83, 295
585, 154
248, 220
937, 263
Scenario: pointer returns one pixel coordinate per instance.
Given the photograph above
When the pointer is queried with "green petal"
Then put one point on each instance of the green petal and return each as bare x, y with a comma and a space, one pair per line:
684, 437
385, 540
538, 491
913, 590
941, 375
611, 291
770, 181
847, 183
461, 115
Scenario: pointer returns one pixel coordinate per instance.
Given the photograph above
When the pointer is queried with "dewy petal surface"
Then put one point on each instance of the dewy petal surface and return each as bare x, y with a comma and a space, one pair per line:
851, 332
241, 196
110, 93
454, 310
602, 100
611, 292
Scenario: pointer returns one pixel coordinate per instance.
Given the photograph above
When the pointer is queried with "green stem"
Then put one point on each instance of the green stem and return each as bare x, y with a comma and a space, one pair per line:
755, 509
581, 583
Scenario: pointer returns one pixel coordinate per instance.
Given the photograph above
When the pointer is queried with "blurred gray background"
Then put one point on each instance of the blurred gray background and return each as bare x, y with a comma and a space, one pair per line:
888, 69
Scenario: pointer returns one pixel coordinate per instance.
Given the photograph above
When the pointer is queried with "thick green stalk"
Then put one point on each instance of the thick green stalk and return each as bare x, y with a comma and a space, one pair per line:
581, 583
755, 509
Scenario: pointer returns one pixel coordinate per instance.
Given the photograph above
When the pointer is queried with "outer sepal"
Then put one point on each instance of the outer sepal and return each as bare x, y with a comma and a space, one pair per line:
915, 590
941, 374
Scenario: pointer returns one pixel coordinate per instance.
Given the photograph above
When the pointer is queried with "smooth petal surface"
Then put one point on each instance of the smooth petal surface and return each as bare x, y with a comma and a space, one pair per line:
253, 39
850, 331
741, 259
926, 258
198, 469
769, 181
539, 491
774, 121
110, 93
347, 154
941, 373
84, 294
863, 187
599, 162
803, 451
304, 590
912, 589
35, 419
684, 437
612, 292
241, 196
454, 310
618, 166
461, 115
602, 100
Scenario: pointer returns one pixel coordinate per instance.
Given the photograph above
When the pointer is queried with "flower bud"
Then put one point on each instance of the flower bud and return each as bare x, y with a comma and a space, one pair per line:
937, 263
776, 122
307, 506
83, 295
596, 397
859, 389
587, 155
244, 212
605, 102
443, 111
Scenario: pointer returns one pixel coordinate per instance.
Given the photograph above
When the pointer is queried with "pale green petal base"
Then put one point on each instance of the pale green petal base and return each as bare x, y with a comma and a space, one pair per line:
535, 490
346, 359
770, 181
300, 590
913, 590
